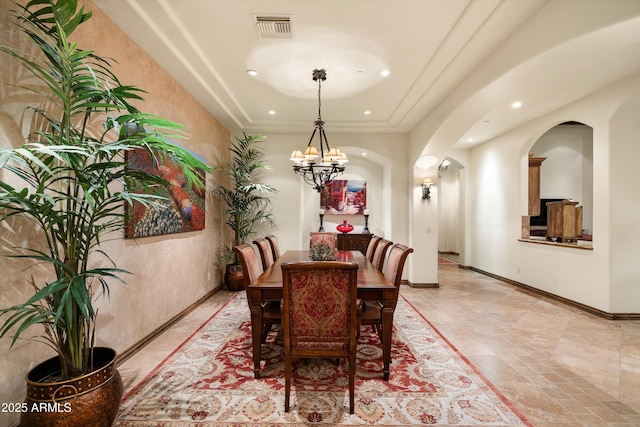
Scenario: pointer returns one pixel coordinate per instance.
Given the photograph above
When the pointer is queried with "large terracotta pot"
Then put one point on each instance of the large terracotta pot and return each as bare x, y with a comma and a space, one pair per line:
91, 400
234, 277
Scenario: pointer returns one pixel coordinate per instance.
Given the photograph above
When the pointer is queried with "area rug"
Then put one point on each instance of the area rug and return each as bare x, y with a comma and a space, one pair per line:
209, 380
446, 261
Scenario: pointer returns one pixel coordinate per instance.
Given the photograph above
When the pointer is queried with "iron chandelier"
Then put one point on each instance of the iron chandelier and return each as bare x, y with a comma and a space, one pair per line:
319, 168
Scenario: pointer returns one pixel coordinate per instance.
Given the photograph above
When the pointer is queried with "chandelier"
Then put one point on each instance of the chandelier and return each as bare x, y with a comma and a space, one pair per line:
318, 168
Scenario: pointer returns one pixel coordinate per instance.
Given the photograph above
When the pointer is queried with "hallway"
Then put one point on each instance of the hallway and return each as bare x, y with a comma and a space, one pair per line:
557, 365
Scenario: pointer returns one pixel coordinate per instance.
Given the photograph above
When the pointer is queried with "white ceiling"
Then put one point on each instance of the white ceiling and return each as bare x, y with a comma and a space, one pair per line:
458, 60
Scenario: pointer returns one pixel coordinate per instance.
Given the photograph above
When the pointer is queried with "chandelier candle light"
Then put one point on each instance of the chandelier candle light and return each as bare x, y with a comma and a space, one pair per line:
318, 168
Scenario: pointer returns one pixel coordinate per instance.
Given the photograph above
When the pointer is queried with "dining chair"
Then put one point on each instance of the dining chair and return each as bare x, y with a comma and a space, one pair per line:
320, 315
371, 309
371, 247
251, 270
266, 255
275, 248
380, 253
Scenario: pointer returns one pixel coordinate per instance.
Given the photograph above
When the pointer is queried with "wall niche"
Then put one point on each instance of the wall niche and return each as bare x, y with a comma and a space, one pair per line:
562, 161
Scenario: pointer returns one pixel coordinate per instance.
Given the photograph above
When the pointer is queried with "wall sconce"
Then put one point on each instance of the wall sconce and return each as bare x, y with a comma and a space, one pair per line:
444, 165
426, 188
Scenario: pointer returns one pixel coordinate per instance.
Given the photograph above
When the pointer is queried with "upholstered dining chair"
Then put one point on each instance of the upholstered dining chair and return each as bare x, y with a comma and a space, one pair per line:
266, 255
275, 248
251, 270
371, 247
372, 310
320, 315
381, 251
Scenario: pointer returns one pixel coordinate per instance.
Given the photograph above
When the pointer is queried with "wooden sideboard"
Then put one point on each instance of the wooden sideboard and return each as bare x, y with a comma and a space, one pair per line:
353, 242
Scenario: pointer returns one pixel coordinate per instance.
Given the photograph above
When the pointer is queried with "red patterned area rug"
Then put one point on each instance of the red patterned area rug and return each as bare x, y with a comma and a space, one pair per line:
208, 380
446, 261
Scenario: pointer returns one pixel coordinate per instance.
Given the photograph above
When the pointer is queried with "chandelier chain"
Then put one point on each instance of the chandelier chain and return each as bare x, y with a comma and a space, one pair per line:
319, 100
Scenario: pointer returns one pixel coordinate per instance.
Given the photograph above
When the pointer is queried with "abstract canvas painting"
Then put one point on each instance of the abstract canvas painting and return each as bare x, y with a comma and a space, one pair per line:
344, 196
182, 211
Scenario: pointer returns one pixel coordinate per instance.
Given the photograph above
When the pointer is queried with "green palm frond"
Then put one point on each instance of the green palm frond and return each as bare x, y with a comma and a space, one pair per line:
73, 175
247, 200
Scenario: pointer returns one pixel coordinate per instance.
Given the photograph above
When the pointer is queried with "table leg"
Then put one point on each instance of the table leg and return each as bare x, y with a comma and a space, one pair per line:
256, 334
387, 327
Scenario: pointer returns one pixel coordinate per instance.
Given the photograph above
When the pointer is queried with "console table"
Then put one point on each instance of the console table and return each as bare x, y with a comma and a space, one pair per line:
353, 242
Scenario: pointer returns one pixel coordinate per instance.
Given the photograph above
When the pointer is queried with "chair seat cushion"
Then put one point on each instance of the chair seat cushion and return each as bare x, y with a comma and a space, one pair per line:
371, 312
271, 311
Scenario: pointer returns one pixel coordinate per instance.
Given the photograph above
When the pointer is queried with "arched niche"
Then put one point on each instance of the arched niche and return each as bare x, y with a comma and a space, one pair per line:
564, 158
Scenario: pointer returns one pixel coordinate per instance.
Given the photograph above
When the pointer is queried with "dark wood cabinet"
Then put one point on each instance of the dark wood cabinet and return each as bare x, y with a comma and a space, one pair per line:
353, 242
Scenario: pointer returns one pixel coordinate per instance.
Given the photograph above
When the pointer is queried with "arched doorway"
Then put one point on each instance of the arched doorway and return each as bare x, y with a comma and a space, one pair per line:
451, 210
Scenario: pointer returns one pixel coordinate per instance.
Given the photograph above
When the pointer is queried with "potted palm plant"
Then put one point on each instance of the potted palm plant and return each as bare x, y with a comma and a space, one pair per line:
71, 180
247, 200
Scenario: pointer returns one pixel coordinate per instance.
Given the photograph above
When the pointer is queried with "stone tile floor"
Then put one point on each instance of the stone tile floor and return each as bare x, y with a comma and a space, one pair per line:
558, 365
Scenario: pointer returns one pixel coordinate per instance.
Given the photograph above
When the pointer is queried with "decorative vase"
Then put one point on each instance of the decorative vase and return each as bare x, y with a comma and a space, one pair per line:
89, 400
344, 227
234, 277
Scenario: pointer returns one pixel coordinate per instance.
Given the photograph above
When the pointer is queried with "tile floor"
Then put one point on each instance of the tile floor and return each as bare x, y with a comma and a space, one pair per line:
558, 366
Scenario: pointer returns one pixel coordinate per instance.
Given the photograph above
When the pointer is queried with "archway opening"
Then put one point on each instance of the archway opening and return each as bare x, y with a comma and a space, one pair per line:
561, 182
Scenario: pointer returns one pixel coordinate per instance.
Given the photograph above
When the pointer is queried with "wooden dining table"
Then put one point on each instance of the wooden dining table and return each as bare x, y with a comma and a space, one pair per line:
372, 285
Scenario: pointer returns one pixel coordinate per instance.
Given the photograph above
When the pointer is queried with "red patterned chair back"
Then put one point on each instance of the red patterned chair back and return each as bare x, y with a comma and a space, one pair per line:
320, 315
371, 248
275, 248
265, 252
380, 253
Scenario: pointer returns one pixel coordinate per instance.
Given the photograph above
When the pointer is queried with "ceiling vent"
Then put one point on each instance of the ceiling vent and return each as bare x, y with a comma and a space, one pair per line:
273, 26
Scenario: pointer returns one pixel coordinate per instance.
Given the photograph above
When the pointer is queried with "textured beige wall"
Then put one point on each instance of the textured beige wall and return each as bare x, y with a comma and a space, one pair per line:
170, 272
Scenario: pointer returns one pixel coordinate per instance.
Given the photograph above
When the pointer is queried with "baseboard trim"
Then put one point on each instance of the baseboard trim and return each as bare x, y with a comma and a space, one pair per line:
575, 304
125, 355
420, 285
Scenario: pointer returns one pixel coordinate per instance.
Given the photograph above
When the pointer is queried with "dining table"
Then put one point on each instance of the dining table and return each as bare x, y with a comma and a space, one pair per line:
372, 285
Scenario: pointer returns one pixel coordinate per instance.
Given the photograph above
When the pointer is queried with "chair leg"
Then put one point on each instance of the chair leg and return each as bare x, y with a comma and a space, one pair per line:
378, 328
265, 332
352, 381
287, 382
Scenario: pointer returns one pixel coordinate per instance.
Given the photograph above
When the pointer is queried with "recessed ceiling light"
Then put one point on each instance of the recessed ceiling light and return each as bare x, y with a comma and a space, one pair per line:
272, 112
364, 154
385, 73
252, 73
470, 140
367, 112
516, 104
359, 72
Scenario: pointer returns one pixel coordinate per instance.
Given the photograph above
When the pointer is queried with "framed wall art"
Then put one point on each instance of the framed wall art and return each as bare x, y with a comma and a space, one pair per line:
182, 211
344, 197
